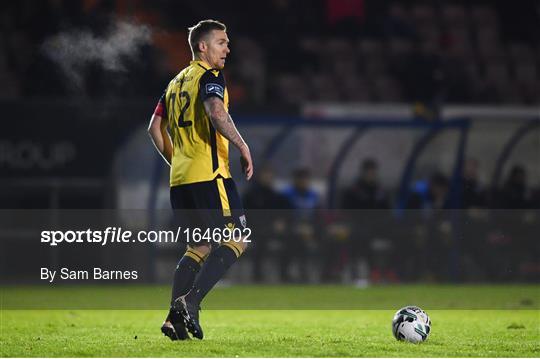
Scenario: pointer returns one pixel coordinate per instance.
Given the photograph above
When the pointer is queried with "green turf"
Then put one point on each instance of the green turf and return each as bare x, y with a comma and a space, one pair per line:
88, 333
271, 333
276, 297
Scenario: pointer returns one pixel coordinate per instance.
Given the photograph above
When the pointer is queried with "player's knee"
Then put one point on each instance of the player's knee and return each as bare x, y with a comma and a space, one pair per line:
238, 247
202, 248
245, 243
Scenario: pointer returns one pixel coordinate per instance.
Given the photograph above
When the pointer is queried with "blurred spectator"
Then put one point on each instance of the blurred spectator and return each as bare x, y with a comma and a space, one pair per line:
514, 193
369, 242
474, 199
268, 218
434, 196
301, 195
303, 246
474, 194
366, 192
438, 191
431, 232
535, 198
262, 195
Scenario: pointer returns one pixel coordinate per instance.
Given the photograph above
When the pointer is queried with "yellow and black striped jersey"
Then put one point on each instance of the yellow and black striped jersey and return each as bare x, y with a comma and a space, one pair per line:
200, 153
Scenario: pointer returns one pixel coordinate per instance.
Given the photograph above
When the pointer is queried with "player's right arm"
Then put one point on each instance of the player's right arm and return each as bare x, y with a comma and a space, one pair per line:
157, 129
223, 123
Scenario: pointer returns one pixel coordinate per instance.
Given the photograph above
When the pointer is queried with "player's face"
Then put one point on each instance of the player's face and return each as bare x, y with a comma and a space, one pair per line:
218, 49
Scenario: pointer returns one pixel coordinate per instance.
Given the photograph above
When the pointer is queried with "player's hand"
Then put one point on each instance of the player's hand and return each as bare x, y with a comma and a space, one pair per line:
246, 162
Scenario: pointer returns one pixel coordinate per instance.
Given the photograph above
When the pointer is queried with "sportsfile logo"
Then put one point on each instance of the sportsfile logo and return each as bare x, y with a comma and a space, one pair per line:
115, 235
214, 88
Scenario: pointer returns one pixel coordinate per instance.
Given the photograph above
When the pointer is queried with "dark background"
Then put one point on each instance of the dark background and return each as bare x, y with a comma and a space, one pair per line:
78, 87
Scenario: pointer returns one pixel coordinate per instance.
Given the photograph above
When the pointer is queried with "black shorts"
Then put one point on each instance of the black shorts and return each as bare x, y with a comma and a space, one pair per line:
208, 205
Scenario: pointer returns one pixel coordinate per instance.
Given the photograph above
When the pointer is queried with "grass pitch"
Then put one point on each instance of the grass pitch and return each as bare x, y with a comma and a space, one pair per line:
293, 332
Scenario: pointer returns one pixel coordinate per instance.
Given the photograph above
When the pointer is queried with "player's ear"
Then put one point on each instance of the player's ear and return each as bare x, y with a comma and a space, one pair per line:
203, 46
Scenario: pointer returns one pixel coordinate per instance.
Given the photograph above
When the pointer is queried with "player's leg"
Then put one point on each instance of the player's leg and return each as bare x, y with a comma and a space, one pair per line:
188, 266
184, 277
187, 269
184, 200
215, 267
222, 257
231, 214
217, 264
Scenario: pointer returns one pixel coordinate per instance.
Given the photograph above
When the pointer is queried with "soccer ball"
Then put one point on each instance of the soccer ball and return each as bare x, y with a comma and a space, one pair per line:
411, 324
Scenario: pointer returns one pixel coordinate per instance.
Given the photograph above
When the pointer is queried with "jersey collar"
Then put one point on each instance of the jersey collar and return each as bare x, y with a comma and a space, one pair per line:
200, 63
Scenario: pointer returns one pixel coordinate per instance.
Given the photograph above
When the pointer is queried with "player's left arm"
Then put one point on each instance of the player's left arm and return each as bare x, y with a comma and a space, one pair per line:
157, 129
223, 123
212, 91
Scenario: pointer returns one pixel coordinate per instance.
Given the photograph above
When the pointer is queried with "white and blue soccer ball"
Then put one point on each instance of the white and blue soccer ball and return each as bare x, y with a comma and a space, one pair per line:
411, 324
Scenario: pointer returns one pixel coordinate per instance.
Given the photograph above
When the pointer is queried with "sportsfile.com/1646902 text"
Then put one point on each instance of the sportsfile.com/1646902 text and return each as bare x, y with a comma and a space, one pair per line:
118, 235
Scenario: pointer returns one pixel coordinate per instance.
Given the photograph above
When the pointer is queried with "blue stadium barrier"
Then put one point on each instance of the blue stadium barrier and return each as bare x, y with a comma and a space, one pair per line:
514, 140
289, 124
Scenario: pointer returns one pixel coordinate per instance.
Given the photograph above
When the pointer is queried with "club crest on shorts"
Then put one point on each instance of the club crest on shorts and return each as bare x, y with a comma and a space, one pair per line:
243, 221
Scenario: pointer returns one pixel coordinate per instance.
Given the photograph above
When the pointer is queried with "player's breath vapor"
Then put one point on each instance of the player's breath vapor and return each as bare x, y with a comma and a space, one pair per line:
74, 50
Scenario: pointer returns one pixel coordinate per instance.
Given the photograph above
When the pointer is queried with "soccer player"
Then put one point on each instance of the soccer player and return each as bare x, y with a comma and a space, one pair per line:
191, 128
